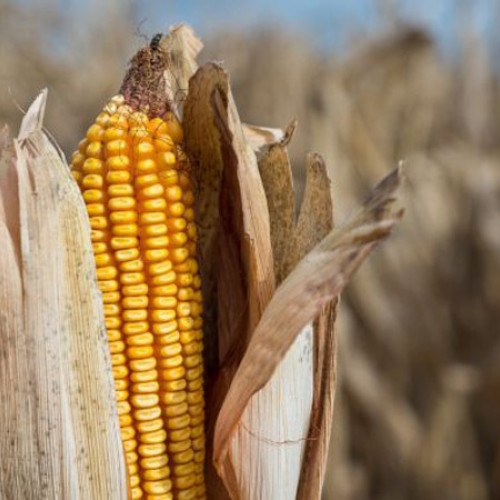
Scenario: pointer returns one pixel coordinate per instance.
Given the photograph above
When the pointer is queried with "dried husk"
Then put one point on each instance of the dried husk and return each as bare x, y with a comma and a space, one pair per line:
59, 436
312, 285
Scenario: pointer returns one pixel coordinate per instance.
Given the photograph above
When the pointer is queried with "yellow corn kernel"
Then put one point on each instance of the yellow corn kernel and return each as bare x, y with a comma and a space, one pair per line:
120, 190
158, 487
122, 203
175, 385
134, 480
166, 159
95, 150
152, 205
123, 217
117, 163
98, 222
153, 230
144, 375
118, 120
156, 462
187, 494
164, 144
102, 119
140, 135
118, 176
152, 450
135, 493
174, 127
145, 387
126, 254
113, 133
147, 413
156, 474
131, 457
150, 425
144, 151
122, 243
184, 482
95, 133
154, 437
118, 147
170, 337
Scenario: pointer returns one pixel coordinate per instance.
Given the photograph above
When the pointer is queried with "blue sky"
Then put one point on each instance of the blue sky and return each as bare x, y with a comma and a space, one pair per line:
327, 22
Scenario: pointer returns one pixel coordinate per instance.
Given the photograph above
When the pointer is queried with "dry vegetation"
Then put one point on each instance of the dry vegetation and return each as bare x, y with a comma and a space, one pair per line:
418, 413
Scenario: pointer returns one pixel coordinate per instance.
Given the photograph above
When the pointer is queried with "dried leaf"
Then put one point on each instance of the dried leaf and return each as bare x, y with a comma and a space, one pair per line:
314, 223
318, 278
60, 435
9, 200
202, 142
267, 448
4, 137
241, 172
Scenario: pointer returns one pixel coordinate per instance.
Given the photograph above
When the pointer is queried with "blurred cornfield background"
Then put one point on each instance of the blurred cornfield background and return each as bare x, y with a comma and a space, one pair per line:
418, 402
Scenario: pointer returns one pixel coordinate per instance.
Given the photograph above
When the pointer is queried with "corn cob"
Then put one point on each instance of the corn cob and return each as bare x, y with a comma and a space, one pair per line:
136, 184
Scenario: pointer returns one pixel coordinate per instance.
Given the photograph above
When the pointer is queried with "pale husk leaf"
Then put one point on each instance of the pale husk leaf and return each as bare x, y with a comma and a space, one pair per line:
315, 453
60, 435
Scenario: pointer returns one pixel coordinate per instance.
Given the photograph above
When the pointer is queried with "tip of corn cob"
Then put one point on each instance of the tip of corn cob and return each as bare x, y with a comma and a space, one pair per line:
143, 87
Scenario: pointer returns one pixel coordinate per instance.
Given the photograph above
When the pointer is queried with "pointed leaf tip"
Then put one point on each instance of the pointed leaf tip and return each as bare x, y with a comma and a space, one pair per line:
33, 120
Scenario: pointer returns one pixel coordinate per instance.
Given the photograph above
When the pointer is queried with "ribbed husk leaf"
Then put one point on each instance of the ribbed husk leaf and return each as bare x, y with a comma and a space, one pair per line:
59, 436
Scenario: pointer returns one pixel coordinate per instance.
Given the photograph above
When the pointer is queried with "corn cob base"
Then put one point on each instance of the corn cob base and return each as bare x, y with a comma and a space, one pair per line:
136, 185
